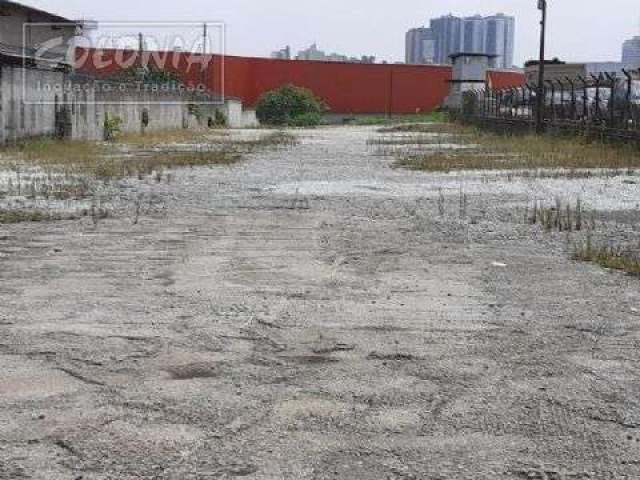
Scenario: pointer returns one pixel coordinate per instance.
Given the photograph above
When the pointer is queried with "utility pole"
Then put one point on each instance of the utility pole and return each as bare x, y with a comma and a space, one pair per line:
542, 5
205, 63
141, 60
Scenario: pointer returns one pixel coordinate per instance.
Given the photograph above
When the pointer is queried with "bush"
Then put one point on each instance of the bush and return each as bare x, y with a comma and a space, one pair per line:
290, 105
220, 119
311, 119
112, 127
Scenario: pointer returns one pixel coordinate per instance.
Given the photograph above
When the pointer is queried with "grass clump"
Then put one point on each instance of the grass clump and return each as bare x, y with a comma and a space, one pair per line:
561, 217
22, 216
613, 258
276, 139
500, 152
428, 127
130, 155
419, 139
185, 136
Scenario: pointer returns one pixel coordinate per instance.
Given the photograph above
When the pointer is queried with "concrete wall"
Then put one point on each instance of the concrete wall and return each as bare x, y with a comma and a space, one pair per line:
28, 102
36, 102
100, 102
163, 110
249, 119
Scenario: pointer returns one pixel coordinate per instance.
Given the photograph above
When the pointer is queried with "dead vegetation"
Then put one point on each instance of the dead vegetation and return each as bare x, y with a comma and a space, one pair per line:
561, 217
20, 216
51, 170
427, 127
421, 139
615, 258
138, 155
488, 151
185, 136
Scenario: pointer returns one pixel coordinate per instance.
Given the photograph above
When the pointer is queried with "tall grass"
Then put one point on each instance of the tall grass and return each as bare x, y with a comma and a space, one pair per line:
614, 258
20, 216
498, 152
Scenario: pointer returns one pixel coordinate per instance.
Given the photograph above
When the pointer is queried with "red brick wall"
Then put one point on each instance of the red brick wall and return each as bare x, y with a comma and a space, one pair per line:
345, 87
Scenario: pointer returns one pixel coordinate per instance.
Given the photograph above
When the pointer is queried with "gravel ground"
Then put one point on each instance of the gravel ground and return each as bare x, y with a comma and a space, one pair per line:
312, 313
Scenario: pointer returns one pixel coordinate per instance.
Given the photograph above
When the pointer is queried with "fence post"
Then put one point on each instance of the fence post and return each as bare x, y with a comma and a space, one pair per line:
562, 110
626, 116
530, 107
597, 80
612, 100
553, 98
573, 97
518, 102
585, 98
484, 102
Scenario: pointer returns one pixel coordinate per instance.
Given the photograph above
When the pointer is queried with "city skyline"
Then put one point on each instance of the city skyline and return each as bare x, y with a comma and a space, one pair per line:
314, 53
283, 22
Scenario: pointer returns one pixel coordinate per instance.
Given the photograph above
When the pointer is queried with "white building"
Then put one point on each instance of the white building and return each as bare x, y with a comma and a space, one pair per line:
631, 52
493, 35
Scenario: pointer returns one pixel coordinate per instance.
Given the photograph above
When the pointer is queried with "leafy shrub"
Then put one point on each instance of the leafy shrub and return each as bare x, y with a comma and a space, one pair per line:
219, 120
112, 127
312, 119
290, 105
195, 110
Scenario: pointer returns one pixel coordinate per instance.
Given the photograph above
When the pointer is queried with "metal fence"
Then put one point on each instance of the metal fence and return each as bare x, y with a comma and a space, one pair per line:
606, 105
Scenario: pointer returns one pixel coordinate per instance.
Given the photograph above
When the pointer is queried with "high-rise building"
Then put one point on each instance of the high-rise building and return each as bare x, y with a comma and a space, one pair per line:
448, 35
631, 52
500, 38
420, 46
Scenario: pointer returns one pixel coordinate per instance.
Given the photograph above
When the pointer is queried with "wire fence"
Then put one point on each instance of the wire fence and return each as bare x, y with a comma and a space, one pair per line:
606, 106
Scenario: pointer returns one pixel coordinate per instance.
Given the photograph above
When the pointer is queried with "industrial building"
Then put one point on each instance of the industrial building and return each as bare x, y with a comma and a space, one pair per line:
420, 46
24, 30
558, 70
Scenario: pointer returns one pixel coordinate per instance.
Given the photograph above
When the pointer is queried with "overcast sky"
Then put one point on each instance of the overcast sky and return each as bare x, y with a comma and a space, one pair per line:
579, 29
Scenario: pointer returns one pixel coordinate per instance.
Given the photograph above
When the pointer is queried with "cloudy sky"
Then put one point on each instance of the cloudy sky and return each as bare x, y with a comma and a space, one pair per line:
579, 29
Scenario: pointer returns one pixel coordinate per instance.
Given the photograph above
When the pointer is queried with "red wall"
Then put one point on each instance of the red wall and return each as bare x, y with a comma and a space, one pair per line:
345, 87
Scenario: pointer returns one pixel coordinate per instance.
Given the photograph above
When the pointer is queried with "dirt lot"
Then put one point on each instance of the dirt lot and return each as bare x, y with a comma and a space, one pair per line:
312, 313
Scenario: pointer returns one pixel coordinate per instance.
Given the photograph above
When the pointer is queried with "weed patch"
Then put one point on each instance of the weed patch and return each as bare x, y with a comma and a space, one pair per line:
496, 152
24, 216
130, 156
614, 258
427, 127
